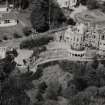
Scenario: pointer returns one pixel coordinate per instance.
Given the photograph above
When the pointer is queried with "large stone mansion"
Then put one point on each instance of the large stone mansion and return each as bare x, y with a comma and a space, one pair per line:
82, 37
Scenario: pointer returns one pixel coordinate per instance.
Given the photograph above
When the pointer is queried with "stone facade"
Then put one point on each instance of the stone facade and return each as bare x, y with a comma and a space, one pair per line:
92, 37
81, 36
74, 36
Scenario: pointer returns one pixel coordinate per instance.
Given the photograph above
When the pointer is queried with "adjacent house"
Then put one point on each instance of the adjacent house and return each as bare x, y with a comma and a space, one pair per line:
67, 3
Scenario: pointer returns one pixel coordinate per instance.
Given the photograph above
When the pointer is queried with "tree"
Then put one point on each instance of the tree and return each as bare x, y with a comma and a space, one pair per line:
79, 72
57, 17
38, 42
95, 62
23, 4
83, 2
42, 87
39, 15
94, 75
92, 91
7, 65
80, 99
46, 14
67, 66
92, 4
71, 22
91, 76
70, 91
27, 31
11, 95
102, 7
51, 102
52, 91
102, 91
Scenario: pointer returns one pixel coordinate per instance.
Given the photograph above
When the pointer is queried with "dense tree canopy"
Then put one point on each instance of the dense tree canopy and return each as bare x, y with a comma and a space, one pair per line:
46, 14
92, 4
39, 15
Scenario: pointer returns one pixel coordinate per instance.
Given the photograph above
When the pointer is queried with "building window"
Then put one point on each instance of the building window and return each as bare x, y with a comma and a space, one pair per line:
6, 21
81, 38
77, 39
72, 54
77, 45
74, 38
94, 36
76, 55
103, 37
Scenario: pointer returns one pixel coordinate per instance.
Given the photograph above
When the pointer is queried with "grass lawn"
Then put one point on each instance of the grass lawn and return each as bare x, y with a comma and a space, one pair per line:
24, 21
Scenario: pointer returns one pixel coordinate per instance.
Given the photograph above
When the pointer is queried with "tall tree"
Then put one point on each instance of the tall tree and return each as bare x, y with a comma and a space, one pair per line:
39, 15
46, 14
92, 4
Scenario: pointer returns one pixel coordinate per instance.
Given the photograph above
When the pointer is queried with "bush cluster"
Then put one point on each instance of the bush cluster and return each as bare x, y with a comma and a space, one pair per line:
28, 44
16, 35
27, 31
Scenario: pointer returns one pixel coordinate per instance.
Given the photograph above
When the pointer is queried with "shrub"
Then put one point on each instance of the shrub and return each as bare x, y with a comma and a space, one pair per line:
71, 22
42, 87
16, 35
92, 91
80, 99
35, 42
38, 73
39, 96
70, 91
102, 91
95, 62
52, 92
15, 53
5, 38
83, 2
27, 31
92, 4
1, 40
38, 50
66, 66
11, 95
12, 53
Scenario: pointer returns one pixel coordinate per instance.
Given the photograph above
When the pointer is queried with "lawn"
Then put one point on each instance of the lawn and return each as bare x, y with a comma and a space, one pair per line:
94, 16
24, 21
8, 32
